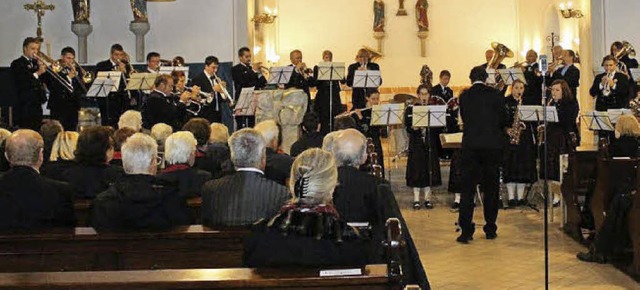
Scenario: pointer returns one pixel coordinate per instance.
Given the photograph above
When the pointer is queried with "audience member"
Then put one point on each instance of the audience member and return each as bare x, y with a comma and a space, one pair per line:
202, 132
327, 141
49, 131
311, 136
245, 196
160, 132
219, 150
28, 200
345, 122
119, 137
627, 132
4, 163
278, 165
180, 155
138, 201
131, 119
62, 155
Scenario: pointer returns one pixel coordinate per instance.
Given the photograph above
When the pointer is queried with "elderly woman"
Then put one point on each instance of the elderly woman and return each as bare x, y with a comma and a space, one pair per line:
119, 137
308, 230
92, 174
131, 119
627, 132
4, 163
160, 132
218, 149
137, 201
180, 154
62, 155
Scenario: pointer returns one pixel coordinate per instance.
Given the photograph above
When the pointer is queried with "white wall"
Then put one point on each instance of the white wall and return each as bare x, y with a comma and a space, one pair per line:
622, 20
191, 28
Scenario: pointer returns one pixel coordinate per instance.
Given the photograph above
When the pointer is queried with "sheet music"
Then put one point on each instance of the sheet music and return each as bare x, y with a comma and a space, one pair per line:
530, 113
635, 74
113, 75
598, 121
280, 74
511, 74
614, 114
330, 71
437, 116
246, 104
387, 114
141, 81
100, 88
367, 79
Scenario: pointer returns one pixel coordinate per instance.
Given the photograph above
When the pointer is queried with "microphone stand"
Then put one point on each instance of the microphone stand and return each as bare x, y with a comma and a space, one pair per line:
545, 185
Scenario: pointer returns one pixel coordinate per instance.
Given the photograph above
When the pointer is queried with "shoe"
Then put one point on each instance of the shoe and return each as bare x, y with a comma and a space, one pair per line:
464, 239
556, 203
491, 236
416, 205
522, 202
591, 257
512, 203
455, 205
428, 204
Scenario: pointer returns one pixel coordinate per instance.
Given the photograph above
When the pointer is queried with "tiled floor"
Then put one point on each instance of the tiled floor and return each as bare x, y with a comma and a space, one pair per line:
515, 260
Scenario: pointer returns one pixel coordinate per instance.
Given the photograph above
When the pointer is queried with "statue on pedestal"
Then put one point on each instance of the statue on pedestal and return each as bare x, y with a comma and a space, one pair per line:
421, 15
378, 16
139, 9
81, 11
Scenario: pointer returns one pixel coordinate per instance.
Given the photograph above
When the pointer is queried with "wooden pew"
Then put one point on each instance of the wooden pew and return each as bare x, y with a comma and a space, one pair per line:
634, 233
82, 208
373, 277
610, 173
82, 249
577, 183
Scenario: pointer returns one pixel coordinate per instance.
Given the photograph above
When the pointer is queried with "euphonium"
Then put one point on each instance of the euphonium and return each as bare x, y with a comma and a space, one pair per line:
500, 52
516, 128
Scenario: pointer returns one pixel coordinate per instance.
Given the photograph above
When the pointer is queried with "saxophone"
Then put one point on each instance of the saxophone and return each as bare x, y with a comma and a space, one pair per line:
517, 126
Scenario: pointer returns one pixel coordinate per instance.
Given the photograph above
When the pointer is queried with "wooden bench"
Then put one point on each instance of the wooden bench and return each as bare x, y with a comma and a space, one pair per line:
611, 172
577, 183
82, 208
634, 233
82, 249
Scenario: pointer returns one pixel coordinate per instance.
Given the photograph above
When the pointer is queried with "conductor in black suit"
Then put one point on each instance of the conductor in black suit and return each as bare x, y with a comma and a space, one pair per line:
212, 107
247, 195
246, 75
358, 98
161, 108
483, 114
117, 102
28, 75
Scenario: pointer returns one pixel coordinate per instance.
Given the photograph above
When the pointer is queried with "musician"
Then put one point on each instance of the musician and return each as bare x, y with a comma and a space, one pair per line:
153, 62
301, 77
358, 99
611, 88
246, 75
27, 73
488, 55
557, 62
483, 112
627, 132
119, 101
160, 107
212, 108
624, 61
327, 103
569, 72
423, 164
533, 90
64, 99
442, 91
519, 159
363, 121
558, 134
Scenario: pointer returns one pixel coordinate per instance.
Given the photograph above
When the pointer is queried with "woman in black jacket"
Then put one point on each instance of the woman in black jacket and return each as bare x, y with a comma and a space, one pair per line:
627, 132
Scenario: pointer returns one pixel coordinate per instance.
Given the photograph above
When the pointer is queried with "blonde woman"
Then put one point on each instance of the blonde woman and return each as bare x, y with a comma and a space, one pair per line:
62, 155
308, 230
627, 132
219, 149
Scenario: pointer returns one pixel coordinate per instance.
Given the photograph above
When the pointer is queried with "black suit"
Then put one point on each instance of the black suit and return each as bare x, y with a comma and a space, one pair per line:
244, 77
358, 95
211, 112
64, 103
241, 199
533, 90
625, 146
89, 180
27, 111
298, 81
189, 180
484, 115
278, 166
117, 102
161, 109
571, 76
30, 201
618, 96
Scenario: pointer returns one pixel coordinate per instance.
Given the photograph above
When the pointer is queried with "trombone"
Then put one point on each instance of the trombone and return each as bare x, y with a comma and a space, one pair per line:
87, 77
53, 68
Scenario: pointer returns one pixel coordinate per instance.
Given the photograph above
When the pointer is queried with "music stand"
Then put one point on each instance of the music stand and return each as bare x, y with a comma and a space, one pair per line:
491, 77
597, 121
614, 114
387, 114
635, 74
280, 75
141, 81
367, 79
330, 71
101, 88
113, 75
429, 116
512, 74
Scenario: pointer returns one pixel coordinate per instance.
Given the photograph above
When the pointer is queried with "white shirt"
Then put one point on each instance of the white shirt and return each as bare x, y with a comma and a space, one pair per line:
250, 169
35, 75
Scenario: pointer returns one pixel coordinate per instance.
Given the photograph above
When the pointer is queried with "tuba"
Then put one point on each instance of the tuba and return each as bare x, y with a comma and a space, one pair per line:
373, 54
627, 49
500, 52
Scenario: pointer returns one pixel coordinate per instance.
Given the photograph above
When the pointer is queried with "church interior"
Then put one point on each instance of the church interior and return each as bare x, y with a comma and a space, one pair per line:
362, 144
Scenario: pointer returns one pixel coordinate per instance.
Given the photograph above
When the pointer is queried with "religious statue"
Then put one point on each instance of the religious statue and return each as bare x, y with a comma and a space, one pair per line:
426, 76
81, 9
401, 10
378, 13
421, 15
139, 9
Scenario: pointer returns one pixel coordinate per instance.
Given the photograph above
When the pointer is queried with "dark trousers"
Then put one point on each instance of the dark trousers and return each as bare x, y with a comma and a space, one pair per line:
613, 236
245, 122
28, 117
480, 165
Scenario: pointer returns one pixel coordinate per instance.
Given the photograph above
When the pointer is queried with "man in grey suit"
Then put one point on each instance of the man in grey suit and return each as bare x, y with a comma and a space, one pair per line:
247, 195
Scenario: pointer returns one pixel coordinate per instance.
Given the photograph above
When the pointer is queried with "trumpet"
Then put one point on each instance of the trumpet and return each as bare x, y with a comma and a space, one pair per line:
225, 93
302, 69
126, 60
208, 98
53, 68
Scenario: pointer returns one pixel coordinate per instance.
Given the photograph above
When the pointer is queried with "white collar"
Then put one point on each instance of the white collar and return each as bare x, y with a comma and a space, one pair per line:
160, 92
28, 58
207, 74
443, 87
250, 169
152, 71
112, 62
478, 82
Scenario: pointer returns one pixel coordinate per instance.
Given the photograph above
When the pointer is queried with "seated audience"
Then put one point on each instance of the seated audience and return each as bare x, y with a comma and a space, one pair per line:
28, 200
345, 122
246, 196
62, 155
138, 201
200, 129
92, 173
49, 131
4, 164
218, 149
160, 132
308, 231
131, 119
311, 136
627, 132
119, 137
180, 154
278, 165
327, 141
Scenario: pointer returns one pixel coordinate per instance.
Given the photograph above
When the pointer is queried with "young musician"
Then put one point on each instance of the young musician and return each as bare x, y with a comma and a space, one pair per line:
119, 101
211, 109
520, 159
362, 63
363, 120
423, 155
533, 90
569, 72
327, 108
443, 91
611, 88
246, 75
27, 72
624, 62
301, 77
153, 62
558, 134
160, 106
64, 99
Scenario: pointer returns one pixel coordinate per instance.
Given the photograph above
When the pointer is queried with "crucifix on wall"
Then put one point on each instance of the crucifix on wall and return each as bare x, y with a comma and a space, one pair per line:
39, 7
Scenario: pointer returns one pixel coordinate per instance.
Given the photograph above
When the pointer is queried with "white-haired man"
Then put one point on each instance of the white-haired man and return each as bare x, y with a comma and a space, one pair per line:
247, 195
27, 199
180, 155
138, 201
131, 119
278, 165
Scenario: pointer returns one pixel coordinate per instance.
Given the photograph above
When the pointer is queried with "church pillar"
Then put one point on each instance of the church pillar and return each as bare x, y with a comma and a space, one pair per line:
140, 29
82, 30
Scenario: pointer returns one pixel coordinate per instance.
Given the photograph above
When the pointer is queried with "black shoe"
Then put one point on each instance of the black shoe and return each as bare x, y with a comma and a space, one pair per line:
491, 236
522, 202
455, 205
591, 258
416, 205
464, 239
512, 203
428, 204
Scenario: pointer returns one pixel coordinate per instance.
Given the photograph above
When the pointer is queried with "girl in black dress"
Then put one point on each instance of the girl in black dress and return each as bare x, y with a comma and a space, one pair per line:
327, 103
423, 156
520, 159
363, 119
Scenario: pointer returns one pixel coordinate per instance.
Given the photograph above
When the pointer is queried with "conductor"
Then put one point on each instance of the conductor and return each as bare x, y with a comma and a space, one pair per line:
483, 112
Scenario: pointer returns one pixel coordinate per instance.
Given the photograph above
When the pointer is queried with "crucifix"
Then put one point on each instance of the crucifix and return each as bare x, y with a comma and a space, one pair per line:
39, 7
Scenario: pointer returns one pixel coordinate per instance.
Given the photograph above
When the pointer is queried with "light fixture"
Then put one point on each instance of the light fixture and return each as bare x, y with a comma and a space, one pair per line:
267, 17
568, 11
